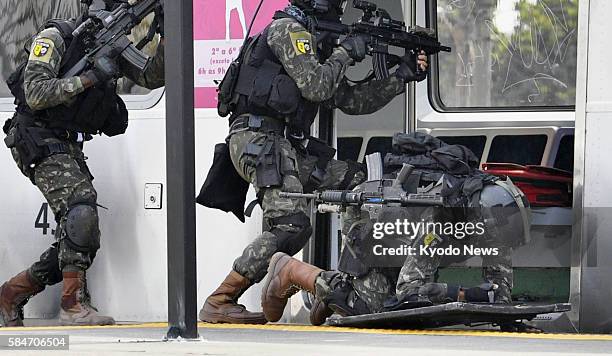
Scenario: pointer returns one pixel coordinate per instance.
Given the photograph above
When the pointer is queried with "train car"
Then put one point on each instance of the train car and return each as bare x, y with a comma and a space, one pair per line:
508, 91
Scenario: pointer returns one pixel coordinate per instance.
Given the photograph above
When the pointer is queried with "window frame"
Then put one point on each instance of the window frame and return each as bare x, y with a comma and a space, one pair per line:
132, 101
433, 82
541, 155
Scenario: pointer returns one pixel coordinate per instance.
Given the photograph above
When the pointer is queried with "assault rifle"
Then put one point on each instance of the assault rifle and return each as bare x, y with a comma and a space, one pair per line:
371, 196
105, 35
382, 31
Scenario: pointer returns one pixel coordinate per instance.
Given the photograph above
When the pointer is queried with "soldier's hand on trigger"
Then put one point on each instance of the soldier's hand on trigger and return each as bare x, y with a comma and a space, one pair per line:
104, 70
356, 46
407, 70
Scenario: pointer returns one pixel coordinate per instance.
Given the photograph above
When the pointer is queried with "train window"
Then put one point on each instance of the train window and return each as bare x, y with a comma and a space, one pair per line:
349, 148
28, 17
565, 154
517, 54
379, 144
519, 149
475, 143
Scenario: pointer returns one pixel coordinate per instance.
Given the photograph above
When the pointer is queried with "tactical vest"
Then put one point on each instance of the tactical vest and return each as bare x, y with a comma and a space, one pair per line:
97, 109
263, 87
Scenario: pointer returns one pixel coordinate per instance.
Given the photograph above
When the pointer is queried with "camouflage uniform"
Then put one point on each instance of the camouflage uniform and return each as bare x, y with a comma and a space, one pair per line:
64, 178
420, 270
321, 83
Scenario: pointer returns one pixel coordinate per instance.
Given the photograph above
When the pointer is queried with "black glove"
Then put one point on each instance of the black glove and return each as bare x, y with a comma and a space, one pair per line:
356, 47
483, 293
104, 70
407, 70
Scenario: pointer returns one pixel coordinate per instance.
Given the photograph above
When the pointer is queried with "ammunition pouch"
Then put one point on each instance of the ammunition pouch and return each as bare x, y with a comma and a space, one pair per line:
224, 189
29, 141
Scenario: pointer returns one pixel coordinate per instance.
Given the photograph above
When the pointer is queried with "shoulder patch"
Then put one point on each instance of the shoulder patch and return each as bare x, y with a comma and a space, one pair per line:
42, 49
302, 42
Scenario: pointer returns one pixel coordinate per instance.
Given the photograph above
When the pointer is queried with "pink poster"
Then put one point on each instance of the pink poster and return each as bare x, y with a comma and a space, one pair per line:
219, 29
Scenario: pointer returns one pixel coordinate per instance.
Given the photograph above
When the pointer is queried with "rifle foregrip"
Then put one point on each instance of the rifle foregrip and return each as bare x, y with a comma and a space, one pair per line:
340, 196
289, 195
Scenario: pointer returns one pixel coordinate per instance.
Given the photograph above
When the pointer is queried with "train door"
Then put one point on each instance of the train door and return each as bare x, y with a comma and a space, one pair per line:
506, 91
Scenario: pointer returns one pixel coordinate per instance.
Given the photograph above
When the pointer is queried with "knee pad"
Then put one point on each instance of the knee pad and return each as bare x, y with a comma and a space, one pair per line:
81, 231
291, 242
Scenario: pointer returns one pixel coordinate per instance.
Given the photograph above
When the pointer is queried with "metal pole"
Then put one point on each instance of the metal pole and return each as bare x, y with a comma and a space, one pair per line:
180, 170
410, 13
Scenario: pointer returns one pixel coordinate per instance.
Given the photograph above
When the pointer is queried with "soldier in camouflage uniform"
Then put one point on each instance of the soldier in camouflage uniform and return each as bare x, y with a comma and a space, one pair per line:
289, 46
500, 206
59, 169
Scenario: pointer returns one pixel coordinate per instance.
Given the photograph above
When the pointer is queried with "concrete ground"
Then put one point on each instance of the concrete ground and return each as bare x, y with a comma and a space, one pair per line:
148, 339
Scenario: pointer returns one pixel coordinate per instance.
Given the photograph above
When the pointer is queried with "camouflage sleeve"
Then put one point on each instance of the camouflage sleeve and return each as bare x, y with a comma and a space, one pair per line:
43, 89
295, 48
153, 75
366, 98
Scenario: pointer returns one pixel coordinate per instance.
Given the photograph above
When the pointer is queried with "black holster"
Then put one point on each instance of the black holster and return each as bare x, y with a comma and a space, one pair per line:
268, 164
224, 189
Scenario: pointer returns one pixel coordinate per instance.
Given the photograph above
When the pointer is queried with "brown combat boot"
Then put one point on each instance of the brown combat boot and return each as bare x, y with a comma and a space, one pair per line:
14, 294
76, 305
286, 276
221, 306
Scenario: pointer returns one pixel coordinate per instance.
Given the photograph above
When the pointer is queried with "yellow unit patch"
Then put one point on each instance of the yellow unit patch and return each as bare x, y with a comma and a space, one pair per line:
430, 238
42, 50
302, 42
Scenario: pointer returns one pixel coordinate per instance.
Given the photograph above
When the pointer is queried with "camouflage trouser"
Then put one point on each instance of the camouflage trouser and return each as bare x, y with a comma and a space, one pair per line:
421, 269
380, 284
64, 181
253, 262
374, 289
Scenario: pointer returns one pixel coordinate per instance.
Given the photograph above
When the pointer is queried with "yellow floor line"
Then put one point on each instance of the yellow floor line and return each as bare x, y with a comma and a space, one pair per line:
309, 328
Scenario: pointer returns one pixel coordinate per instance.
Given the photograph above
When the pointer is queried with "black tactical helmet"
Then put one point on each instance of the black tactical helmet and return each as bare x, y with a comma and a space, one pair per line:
336, 7
505, 211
